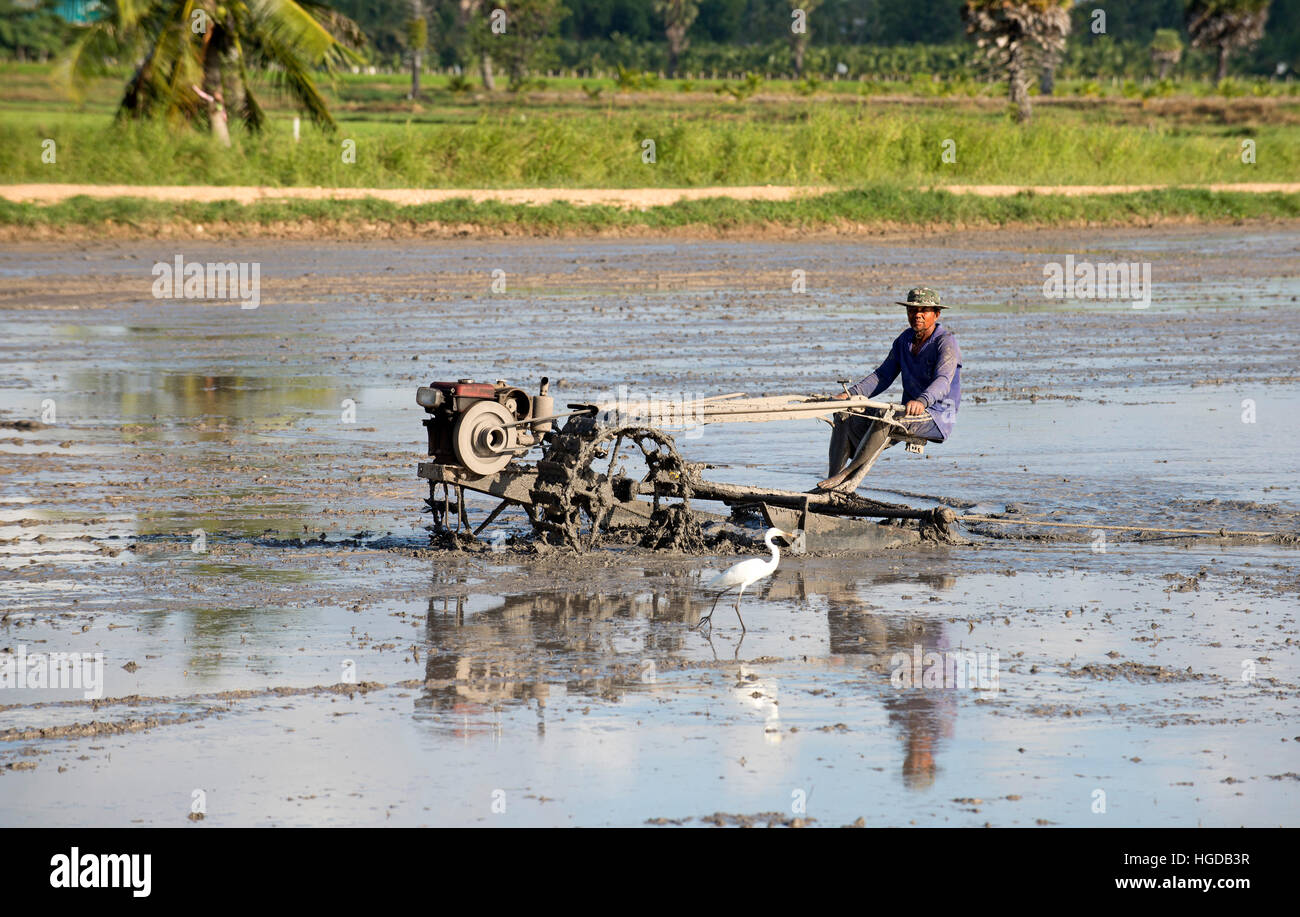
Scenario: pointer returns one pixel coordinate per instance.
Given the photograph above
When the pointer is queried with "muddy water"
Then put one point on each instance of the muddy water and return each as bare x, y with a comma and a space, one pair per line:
223, 504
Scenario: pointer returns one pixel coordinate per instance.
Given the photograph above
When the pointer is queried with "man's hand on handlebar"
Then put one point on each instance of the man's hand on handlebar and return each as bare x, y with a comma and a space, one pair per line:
911, 409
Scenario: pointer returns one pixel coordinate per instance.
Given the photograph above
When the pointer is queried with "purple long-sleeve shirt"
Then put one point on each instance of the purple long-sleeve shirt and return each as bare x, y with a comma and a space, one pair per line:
932, 377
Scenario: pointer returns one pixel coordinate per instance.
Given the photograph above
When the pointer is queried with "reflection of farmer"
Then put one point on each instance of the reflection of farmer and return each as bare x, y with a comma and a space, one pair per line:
927, 358
922, 717
922, 721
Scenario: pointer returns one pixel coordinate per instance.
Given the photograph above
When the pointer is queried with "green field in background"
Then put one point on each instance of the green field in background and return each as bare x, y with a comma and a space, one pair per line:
564, 138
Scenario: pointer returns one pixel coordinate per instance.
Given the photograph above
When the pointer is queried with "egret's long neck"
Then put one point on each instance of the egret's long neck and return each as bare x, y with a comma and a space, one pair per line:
776, 553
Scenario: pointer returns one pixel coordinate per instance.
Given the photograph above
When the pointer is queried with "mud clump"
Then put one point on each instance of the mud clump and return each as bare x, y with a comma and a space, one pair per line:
449, 540
1180, 583
1133, 671
674, 528
937, 528
766, 819
100, 727
758, 820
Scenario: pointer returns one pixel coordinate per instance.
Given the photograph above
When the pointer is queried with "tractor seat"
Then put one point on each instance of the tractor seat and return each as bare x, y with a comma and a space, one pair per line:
901, 434
915, 443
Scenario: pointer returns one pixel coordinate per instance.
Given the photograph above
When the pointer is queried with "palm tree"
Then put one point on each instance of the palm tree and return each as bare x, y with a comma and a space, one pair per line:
529, 25
472, 15
191, 54
1166, 51
678, 16
1052, 55
1014, 34
1225, 25
417, 39
799, 40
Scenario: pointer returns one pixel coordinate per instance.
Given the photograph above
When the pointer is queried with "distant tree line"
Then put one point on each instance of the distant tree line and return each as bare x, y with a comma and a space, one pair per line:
739, 35
193, 61
874, 37
32, 31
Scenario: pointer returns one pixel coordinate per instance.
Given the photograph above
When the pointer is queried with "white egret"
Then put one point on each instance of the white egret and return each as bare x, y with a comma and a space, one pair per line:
745, 573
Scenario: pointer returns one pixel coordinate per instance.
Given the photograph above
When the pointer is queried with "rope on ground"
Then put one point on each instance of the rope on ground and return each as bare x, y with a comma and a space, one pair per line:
1222, 533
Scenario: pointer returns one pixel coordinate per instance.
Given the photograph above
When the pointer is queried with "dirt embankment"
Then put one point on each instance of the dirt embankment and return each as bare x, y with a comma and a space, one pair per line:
368, 230
348, 226
629, 198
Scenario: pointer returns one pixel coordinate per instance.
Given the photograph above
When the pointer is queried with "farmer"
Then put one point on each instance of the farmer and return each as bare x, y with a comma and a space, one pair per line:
930, 363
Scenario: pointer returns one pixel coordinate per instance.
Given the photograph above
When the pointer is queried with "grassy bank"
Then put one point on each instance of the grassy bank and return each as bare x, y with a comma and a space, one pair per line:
783, 145
846, 138
878, 207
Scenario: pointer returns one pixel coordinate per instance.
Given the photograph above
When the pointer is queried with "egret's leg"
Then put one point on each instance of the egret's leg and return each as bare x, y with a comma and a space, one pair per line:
738, 617
708, 617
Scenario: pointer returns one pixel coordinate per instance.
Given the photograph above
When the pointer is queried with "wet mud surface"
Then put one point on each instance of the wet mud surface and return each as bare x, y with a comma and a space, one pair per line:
223, 503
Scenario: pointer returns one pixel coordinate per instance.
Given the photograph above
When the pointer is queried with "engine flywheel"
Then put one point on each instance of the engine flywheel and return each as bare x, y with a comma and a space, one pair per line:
483, 442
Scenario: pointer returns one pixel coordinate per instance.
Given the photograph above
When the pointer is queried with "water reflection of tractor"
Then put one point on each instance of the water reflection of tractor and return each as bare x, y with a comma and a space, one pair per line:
610, 465
513, 652
530, 646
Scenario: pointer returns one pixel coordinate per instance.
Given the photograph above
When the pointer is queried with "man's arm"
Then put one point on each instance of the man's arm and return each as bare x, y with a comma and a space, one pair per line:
944, 371
881, 379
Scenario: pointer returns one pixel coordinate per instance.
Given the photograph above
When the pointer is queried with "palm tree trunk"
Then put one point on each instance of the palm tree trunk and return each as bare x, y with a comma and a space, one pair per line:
1164, 69
1223, 65
212, 81
1016, 78
469, 9
676, 35
418, 31
1047, 79
238, 91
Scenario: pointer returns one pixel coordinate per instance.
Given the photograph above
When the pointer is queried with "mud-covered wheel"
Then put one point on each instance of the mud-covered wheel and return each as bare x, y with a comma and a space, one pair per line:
588, 472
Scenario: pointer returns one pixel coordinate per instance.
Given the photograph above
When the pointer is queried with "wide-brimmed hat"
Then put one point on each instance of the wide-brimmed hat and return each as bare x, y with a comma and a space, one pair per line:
923, 296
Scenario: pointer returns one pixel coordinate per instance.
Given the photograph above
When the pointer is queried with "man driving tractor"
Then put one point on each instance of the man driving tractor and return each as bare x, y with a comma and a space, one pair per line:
927, 357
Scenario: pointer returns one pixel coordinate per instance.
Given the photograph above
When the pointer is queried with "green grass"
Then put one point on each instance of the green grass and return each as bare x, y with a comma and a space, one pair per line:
850, 135
877, 206
791, 144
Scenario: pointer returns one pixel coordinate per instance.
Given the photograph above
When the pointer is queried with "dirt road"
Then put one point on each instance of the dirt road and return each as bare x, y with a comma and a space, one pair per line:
632, 198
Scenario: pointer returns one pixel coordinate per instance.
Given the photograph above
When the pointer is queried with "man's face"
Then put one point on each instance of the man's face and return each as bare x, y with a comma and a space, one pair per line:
922, 318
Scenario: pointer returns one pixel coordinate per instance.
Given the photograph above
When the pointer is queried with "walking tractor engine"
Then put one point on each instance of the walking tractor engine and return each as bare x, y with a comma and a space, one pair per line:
481, 426
603, 466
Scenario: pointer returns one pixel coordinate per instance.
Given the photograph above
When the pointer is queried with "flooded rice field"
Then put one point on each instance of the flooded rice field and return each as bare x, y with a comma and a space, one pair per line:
220, 507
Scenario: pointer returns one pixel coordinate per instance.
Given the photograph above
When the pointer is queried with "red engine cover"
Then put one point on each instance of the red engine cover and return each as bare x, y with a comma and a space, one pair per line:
467, 389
